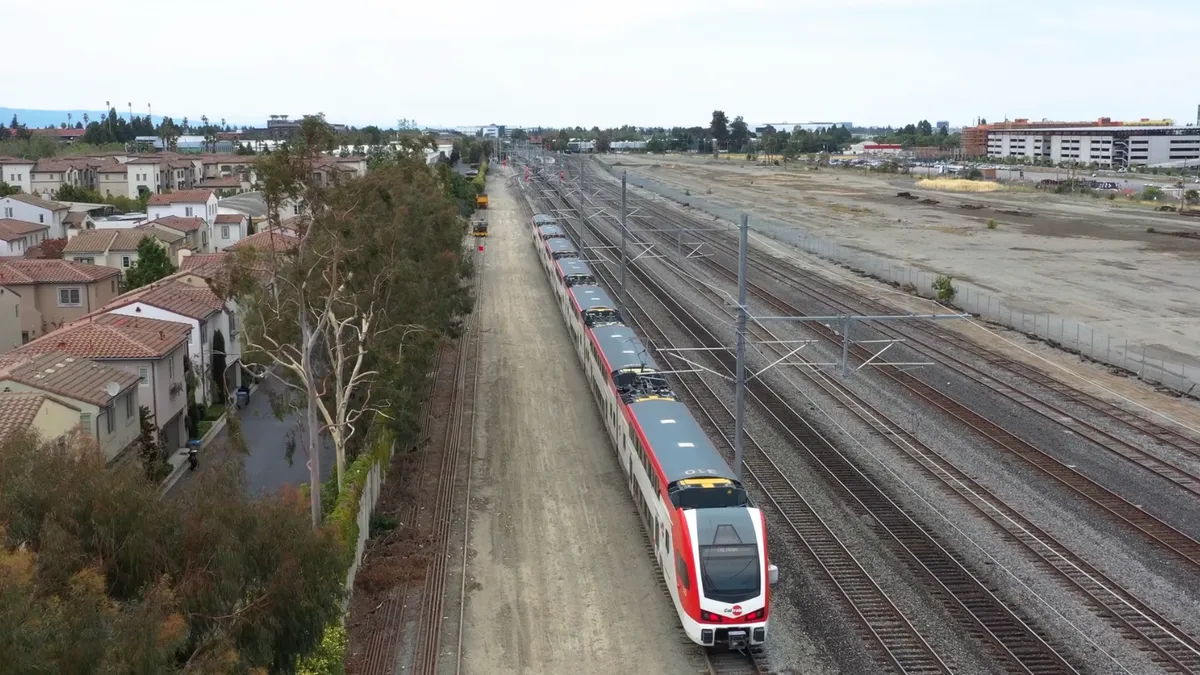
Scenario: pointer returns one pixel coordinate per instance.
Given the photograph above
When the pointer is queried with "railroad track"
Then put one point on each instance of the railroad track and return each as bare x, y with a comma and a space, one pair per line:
1175, 650
382, 651
904, 649
458, 435
1163, 534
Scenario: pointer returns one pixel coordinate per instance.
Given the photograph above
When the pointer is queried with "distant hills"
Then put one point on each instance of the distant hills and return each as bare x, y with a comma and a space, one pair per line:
40, 119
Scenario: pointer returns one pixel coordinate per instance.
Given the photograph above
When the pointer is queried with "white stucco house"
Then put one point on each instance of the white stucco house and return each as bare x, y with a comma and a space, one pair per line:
18, 236
17, 172
34, 209
186, 298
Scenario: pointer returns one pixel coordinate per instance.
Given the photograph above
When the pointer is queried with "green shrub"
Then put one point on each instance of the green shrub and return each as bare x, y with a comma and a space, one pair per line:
991, 224
329, 658
944, 286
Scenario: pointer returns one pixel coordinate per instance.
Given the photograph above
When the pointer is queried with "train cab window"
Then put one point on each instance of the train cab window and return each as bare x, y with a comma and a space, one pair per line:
682, 571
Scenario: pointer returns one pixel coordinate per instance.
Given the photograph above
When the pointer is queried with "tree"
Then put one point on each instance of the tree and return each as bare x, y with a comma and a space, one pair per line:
373, 270
1191, 196
739, 135
655, 144
218, 366
6, 189
719, 127
1152, 193
102, 574
52, 248
153, 263
150, 447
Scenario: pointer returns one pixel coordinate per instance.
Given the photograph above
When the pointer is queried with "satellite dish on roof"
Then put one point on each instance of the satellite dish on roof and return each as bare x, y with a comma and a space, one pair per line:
112, 388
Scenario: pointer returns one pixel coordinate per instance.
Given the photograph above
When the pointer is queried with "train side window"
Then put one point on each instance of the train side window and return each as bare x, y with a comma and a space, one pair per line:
681, 567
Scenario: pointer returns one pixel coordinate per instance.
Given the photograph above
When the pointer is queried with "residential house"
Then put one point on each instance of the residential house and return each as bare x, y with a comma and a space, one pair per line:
52, 173
78, 221
228, 166
17, 173
112, 180
186, 204
56, 292
228, 229
269, 240
115, 248
181, 174
145, 174
153, 352
194, 230
48, 417
33, 209
10, 319
225, 187
185, 297
18, 236
105, 397
207, 265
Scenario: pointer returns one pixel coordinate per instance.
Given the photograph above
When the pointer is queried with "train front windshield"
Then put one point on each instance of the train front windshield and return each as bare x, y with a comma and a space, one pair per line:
730, 573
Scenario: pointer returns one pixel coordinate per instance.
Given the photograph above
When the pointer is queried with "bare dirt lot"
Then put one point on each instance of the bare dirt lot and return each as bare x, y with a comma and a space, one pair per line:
558, 575
1089, 259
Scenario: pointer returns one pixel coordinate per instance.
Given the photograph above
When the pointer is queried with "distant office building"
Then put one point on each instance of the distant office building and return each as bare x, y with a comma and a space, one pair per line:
1103, 142
279, 127
943, 124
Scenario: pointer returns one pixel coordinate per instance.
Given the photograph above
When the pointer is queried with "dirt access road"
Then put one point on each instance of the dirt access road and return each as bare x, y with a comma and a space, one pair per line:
1091, 260
560, 580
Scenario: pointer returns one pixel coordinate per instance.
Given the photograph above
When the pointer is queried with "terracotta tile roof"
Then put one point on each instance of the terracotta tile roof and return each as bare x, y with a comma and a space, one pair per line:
34, 200
229, 218
112, 167
221, 183
99, 241
53, 166
99, 338
75, 218
181, 197
169, 237
269, 240
67, 375
181, 164
146, 160
106, 317
228, 159
17, 412
186, 294
16, 160
11, 230
18, 272
179, 223
204, 264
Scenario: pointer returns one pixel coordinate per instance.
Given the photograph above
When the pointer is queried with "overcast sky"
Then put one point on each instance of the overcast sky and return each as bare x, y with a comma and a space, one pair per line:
644, 62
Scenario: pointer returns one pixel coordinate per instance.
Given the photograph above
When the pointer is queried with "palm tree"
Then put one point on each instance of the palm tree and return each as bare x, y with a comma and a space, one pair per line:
204, 120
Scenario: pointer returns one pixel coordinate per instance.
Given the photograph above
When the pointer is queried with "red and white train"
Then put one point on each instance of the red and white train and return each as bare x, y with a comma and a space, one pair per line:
709, 539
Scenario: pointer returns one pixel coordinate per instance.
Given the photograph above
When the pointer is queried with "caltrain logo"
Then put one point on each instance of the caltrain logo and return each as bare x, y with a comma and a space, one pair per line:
736, 610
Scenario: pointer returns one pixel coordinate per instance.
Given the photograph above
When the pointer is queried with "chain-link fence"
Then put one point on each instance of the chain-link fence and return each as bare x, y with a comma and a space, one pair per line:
1151, 364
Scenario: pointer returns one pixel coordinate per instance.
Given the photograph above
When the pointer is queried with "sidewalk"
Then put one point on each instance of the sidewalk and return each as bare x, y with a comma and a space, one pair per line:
178, 459
264, 464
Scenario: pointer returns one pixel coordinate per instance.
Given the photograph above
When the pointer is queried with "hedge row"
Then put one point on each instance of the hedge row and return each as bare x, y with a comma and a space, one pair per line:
480, 180
330, 656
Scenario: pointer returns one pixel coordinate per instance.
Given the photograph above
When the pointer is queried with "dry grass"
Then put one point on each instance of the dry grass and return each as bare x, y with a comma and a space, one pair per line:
958, 185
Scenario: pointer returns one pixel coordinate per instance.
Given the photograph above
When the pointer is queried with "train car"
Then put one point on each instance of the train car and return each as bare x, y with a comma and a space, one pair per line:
574, 272
543, 219
709, 539
551, 232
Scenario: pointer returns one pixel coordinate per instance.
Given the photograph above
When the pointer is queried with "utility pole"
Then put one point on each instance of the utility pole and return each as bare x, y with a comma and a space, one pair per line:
582, 212
624, 295
739, 405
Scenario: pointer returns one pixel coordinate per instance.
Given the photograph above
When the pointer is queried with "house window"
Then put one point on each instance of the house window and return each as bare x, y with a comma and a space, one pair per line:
224, 231
24, 337
171, 367
113, 285
85, 424
144, 375
8, 212
69, 297
109, 414
129, 406
126, 262
41, 217
86, 261
187, 211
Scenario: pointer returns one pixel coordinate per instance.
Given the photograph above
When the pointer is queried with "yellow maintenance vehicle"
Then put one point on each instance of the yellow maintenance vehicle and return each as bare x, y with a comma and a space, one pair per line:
481, 201
479, 228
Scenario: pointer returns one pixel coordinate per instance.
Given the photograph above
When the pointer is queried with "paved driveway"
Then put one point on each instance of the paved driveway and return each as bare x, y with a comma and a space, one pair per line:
265, 467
